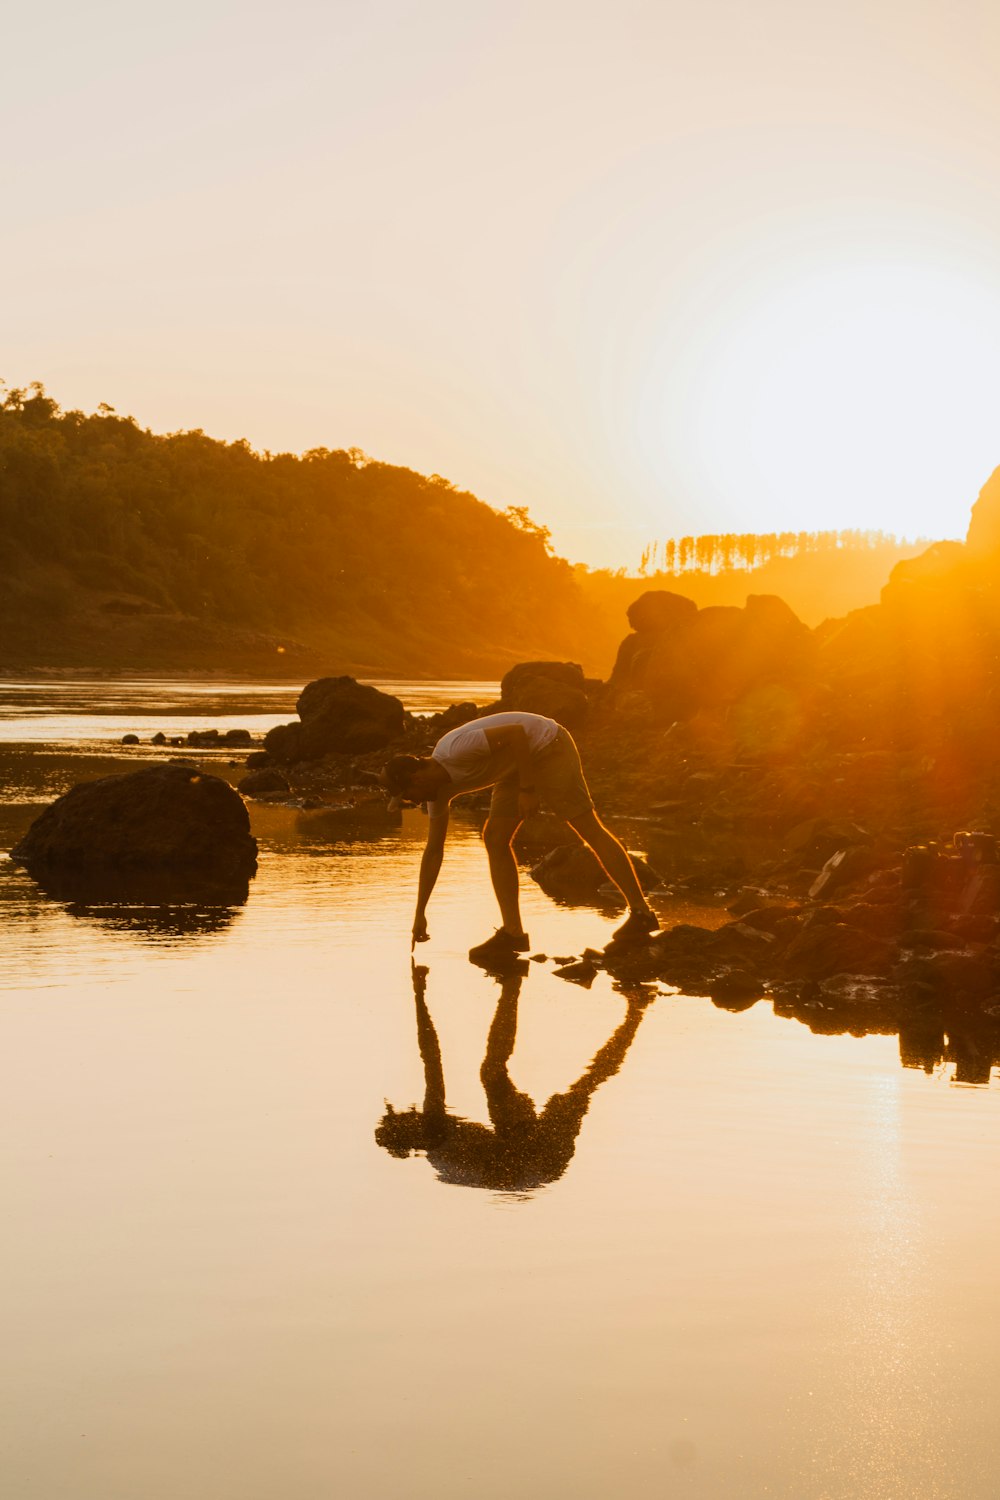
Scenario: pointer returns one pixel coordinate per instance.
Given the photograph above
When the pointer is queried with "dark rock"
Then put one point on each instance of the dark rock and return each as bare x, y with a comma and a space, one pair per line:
931, 938
843, 868
572, 872
258, 758
260, 783
958, 978
159, 738
238, 737
452, 717
659, 609
163, 819
338, 715
580, 973
736, 990
203, 739
823, 949
554, 689
285, 743
539, 833
567, 673
130, 739
758, 659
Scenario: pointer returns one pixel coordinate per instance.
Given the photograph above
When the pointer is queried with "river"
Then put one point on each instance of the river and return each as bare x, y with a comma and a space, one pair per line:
285, 1221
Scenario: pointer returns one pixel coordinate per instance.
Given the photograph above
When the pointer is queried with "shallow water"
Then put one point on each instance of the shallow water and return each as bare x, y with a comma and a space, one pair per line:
662, 1249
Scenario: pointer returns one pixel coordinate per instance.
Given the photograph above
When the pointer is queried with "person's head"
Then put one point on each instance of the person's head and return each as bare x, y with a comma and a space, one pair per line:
410, 780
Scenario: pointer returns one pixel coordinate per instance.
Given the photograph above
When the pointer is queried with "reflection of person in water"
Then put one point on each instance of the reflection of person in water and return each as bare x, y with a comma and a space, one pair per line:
524, 1149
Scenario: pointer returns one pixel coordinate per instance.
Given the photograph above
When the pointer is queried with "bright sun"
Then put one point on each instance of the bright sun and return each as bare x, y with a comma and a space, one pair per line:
852, 396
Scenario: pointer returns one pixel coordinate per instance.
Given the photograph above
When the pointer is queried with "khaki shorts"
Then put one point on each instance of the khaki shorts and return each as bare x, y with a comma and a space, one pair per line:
558, 780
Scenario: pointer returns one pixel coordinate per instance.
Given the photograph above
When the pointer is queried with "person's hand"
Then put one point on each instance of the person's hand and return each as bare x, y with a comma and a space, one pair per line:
419, 933
527, 803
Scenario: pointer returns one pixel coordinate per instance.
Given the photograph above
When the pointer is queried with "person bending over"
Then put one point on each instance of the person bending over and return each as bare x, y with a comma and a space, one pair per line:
527, 760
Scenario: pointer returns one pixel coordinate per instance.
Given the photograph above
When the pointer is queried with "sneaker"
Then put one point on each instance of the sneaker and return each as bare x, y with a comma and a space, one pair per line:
502, 948
637, 925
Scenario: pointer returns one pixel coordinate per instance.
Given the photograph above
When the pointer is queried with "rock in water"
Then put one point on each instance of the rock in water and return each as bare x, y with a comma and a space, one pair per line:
337, 715
165, 820
554, 689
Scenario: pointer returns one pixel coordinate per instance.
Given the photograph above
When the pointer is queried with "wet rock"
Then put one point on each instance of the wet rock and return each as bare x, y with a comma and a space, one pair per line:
165, 819
204, 739
159, 738
844, 868
262, 783
130, 739
553, 689
736, 990
579, 973
959, 979
238, 737
538, 834
572, 872
337, 715
258, 758
823, 949
860, 989
452, 717
567, 673
932, 938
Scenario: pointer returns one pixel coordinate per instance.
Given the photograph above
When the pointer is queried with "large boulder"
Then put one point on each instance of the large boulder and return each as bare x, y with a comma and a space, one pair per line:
686, 659
337, 715
569, 673
555, 689
659, 609
167, 820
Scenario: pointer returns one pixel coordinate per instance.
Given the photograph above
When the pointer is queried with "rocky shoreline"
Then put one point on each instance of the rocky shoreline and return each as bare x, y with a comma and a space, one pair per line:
837, 790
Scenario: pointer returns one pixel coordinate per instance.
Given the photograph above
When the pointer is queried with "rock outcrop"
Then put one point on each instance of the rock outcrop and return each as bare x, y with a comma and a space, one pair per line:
163, 821
555, 689
686, 659
337, 716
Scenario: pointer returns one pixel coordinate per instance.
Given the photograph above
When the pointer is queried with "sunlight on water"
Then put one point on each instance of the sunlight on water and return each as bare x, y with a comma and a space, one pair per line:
284, 1219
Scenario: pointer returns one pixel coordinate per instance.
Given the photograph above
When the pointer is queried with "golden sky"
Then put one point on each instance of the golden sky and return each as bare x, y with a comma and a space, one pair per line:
645, 268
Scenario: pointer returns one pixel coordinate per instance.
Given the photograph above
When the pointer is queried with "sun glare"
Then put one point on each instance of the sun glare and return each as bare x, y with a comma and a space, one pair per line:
854, 396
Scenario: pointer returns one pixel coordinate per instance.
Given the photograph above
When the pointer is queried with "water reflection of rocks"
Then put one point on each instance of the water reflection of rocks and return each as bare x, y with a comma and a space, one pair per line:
523, 1148
152, 906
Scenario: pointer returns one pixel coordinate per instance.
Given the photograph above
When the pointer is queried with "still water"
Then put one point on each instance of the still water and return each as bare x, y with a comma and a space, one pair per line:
285, 1221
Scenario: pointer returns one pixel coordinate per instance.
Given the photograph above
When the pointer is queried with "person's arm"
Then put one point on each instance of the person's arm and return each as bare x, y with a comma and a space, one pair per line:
512, 739
430, 865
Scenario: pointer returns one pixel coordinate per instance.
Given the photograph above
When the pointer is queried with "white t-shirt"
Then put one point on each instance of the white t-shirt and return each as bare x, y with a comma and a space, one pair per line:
471, 762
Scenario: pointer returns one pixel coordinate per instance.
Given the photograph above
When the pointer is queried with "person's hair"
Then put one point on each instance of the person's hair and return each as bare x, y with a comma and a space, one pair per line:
396, 773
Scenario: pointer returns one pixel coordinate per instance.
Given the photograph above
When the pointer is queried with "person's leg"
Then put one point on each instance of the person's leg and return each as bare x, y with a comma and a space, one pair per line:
497, 836
613, 858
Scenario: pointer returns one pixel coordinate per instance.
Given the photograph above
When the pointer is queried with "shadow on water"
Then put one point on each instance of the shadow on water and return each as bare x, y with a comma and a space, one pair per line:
522, 1149
154, 906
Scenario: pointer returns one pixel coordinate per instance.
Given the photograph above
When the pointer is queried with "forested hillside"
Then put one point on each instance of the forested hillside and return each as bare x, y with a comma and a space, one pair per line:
121, 548
125, 550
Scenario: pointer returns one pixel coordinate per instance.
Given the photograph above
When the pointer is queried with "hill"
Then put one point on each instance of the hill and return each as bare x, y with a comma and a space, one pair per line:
123, 549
